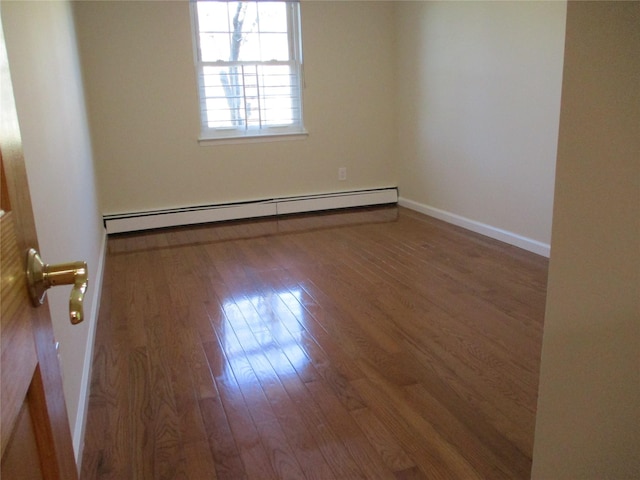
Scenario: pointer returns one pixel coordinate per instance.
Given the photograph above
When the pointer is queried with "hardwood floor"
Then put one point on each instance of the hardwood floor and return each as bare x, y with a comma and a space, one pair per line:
372, 343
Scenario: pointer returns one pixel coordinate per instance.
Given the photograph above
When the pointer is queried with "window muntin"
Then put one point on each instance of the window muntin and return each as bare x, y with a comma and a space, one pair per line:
249, 64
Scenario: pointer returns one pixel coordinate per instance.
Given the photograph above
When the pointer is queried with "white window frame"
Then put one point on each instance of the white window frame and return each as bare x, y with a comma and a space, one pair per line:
262, 132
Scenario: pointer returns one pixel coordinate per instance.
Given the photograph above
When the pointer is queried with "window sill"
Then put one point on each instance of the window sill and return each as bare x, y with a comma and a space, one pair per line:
206, 141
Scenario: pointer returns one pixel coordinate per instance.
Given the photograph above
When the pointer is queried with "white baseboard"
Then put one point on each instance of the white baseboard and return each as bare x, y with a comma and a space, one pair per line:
511, 238
130, 222
92, 318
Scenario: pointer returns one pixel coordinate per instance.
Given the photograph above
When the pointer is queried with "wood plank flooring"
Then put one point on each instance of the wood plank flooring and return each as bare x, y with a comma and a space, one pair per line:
370, 343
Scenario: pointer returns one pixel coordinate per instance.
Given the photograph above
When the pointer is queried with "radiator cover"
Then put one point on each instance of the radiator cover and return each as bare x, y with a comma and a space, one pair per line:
135, 221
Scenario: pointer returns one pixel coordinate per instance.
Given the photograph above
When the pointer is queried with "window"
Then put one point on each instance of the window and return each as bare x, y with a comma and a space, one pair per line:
249, 64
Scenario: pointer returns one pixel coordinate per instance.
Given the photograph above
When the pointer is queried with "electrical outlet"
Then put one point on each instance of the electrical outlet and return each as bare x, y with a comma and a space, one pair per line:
342, 173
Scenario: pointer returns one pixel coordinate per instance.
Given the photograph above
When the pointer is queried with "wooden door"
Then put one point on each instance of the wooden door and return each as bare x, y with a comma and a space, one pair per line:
36, 439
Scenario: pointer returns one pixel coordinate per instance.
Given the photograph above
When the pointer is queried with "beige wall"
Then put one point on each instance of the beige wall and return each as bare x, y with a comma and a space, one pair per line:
478, 107
588, 423
49, 99
457, 103
141, 90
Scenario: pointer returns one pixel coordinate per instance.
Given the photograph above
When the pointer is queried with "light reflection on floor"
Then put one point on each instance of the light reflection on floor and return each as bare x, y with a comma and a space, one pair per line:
265, 326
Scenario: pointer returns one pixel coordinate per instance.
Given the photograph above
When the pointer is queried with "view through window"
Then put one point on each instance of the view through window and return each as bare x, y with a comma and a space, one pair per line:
249, 63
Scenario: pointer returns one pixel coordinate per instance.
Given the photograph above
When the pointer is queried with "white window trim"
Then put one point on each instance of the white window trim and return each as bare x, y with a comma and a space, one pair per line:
212, 136
271, 137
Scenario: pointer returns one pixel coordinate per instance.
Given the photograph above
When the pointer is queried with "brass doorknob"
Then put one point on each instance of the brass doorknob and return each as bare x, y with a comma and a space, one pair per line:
41, 277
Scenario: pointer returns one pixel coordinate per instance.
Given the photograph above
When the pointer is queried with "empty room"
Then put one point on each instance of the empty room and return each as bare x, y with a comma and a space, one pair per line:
320, 239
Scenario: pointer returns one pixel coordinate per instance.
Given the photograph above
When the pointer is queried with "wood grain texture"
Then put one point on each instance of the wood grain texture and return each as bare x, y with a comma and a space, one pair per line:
17, 347
366, 343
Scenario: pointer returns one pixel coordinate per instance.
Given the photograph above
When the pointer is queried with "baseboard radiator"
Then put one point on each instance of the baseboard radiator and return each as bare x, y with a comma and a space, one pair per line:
131, 222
